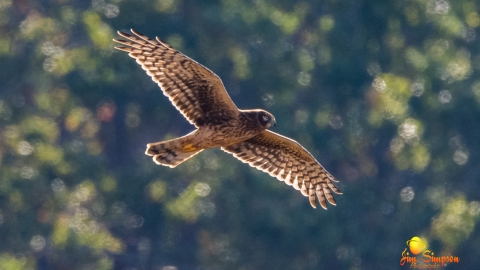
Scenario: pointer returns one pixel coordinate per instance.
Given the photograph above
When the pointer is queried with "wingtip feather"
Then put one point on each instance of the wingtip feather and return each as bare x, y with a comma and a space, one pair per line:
123, 34
324, 206
135, 32
125, 49
312, 201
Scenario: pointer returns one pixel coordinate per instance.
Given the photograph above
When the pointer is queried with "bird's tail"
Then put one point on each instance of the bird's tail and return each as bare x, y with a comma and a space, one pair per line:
173, 152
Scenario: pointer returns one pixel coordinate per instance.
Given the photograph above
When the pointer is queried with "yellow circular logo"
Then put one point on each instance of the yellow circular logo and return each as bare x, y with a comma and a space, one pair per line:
416, 245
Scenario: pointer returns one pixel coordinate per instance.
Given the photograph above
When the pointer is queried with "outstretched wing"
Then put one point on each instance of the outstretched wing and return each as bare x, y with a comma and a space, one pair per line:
287, 160
195, 91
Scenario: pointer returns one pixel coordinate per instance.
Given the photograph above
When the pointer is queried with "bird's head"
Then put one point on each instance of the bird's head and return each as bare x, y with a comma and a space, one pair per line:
266, 119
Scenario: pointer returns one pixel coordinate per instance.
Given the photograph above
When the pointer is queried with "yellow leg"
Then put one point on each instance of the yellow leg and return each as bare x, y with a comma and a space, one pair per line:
189, 148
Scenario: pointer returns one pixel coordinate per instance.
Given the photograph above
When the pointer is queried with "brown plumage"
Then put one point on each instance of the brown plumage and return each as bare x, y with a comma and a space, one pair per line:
200, 96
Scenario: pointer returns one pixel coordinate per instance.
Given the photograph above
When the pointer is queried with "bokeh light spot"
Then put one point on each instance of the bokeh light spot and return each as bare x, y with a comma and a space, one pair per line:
407, 194
37, 243
202, 189
460, 157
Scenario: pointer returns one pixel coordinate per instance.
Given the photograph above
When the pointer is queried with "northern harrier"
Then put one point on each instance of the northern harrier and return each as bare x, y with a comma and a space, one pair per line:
200, 96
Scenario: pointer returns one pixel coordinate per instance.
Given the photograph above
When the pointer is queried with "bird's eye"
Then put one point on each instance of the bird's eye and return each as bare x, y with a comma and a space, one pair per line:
265, 117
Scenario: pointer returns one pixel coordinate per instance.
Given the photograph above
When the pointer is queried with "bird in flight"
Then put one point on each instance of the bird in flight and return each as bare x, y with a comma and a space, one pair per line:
200, 96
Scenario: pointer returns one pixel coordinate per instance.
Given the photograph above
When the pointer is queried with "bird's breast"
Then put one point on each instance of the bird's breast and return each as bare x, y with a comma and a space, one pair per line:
224, 134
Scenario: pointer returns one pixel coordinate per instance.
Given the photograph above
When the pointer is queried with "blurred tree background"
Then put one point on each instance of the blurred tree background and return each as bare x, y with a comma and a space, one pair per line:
385, 94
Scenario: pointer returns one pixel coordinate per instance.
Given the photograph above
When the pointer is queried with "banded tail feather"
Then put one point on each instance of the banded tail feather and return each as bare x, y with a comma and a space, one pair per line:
171, 153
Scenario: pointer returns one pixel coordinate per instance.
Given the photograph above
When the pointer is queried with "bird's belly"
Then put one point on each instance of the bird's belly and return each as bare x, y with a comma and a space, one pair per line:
208, 138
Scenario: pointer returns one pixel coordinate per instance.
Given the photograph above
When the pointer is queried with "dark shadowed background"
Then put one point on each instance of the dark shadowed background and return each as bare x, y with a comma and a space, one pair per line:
385, 94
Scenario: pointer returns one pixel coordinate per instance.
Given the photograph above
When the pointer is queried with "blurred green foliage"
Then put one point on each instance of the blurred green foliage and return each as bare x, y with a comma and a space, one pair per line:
386, 95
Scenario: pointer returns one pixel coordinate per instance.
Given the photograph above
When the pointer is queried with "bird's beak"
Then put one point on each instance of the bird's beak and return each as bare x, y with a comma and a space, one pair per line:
274, 123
